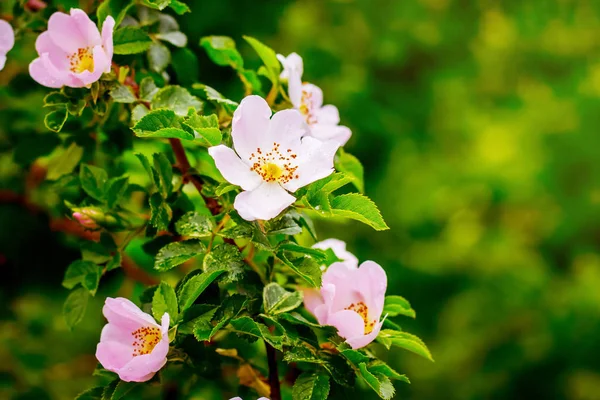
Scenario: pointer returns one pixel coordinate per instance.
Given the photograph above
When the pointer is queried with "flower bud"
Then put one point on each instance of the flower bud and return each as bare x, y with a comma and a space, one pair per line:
88, 217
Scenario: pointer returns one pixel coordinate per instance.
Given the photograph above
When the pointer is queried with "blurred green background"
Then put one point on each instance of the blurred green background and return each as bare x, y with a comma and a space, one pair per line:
477, 123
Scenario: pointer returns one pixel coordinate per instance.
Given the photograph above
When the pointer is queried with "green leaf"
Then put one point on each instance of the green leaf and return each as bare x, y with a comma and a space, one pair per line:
222, 51
82, 272
147, 89
358, 207
186, 66
179, 7
93, 181
123, 389
159, 57
296, 248
177, 253
138, 112
53, 99
285, 225
164, 169
398, 305
404, 340
194, 225
91, 394
225, 256
205, 128
75, 306
116, 189
115, 8
277, 300
160, 212
177, 39
55, 120
230, 308
122, 94
64, 163
248, 326
177, 99
165, 301
268, 56
378, 367
161, 123
195, 286
131, 40
311, 386
157, 4
109, 390
379, 383
306, 267
216, 97
351, 166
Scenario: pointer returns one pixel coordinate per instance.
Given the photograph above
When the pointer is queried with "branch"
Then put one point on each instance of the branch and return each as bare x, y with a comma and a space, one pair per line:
273, 373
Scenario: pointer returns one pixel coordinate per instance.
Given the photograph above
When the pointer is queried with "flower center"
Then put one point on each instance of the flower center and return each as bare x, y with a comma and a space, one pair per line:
306, 107
145, 339
361, 309
274, 165
82, 60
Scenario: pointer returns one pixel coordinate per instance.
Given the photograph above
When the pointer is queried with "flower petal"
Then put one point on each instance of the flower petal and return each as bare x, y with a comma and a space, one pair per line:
113, 355
250, 126
315, 161
123, 313
2, 61
233, 169
44, 44
7, 37
346, 284
315, 94
373, 286
86, 27
101, 64
295, 88
43, 72
286, 128
293, 62
265, 202
142, 368
339, 249
328, 115
340, 134
312, 299
348, 323
362, 340
65, 33
107, 37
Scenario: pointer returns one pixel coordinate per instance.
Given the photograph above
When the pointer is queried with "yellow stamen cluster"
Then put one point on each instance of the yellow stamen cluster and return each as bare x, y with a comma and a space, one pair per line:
306, 107
361, 309
274, 165
145, 339
82, 60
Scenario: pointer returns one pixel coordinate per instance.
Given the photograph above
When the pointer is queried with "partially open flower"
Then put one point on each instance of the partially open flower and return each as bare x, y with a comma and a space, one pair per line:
271, 158
72, 52
351, 299
7, 41
85, 220
307, 98
132, 344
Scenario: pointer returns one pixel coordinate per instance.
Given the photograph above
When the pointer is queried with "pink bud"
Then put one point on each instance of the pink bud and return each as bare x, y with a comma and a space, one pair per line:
85, 220
132, 344
72, 52
36, 5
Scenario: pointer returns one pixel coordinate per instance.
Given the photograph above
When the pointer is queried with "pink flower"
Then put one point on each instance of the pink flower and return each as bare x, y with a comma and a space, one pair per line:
7, 41
85, 220
323, 121
132, 344
351, 299
72, 52
271, 158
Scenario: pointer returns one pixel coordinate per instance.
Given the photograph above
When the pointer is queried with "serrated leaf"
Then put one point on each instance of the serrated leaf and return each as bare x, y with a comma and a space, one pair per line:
222, 51
64, 163
159, 57
285, 225
379, 367
177, 99
177, 253
225, 256
404, 340
179, 7
379, 383
164, 169
358, 207
55, 99
230, 308
296, 248
165, 301
131, 40
161, 123
186, 66
398, 305
268, 56
248, 326
277, 300
122, 94
160, 212
108, 391
194, 225
306, 267
195, 286
116, 188
123, 389
351, 166
311, 386
93, 180
91, 394
55, 120
138, 112
115, 8
205, 128
75, 306
147, 89
216, 97
82, 272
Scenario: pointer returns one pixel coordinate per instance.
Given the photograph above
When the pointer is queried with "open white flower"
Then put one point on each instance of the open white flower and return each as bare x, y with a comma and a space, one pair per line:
323, 120
271, 158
